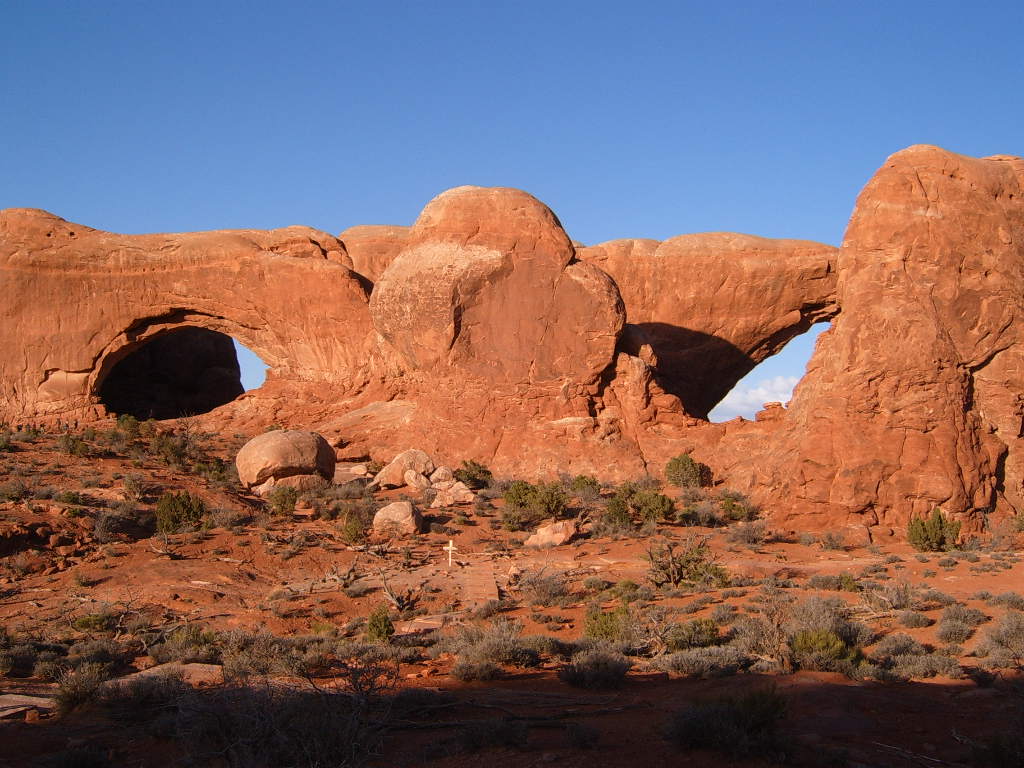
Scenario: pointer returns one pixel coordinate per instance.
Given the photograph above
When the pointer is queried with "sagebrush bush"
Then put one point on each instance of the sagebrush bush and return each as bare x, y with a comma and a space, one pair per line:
598, 668
685, 472
698, 633
914, 620
820, 649
936, 533
77, 687
1006, 639
743, 727
737, 507
713, 661
688, 562
952, 631
177, 511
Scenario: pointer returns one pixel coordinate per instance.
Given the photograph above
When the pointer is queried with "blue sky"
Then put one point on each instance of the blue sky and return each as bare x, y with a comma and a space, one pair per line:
643, 119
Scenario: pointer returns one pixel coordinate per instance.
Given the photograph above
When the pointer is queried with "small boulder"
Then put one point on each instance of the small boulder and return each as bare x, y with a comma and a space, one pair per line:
450, 494
414, 479
553, 535
393, 475
398, 517
442, 475
304, 460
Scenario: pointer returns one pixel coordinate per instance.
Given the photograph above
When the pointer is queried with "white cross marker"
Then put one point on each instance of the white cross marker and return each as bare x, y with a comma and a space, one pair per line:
449, 549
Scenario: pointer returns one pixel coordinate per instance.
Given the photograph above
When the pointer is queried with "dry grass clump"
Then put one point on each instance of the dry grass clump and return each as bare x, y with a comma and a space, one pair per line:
597, 668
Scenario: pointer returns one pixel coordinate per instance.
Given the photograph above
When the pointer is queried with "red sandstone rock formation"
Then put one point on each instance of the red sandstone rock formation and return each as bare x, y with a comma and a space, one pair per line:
490, 335
712, 306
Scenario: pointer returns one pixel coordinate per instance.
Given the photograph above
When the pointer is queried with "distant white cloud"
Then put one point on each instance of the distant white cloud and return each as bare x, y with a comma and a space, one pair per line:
746, 400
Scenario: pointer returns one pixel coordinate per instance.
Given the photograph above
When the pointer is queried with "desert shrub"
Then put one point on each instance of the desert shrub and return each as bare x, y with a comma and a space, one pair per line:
1005, 640
936, 533
832, 541
1010, 600
142, 699
468, 670
698, 633
683, 471
843, 582
498, 643
585, 486
379, 628
686, 563
897, 644
615, 520
820, 649
724, 614
77, 687
744, 726
595, 584
1004, 749
651, 506
474, 475
597, 668
254, 654
276, 725
749, 534
178, 511
953, 631
712, 661
129, 425
934, 598
190, 643
6, 441
704, 513
914, 620
616, 625
736, 506
282, 499
829, 614
73, 445
542, 588
527, 505
962, 613
922, 666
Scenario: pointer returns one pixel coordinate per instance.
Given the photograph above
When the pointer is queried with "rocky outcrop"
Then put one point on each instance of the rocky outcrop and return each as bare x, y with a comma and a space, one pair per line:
79, 301
913, 399
487, 285
709, 307
371, 248
302, 460
484, 332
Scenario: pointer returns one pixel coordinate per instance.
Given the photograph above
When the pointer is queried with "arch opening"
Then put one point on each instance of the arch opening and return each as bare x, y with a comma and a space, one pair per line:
184, 371
772, 380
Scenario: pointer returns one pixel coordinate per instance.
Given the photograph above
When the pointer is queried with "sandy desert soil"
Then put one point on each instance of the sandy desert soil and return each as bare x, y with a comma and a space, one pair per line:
276, 603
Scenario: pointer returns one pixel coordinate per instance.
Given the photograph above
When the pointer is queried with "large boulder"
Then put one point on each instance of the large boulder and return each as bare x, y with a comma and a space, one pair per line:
399, 517
285, 457
553, 535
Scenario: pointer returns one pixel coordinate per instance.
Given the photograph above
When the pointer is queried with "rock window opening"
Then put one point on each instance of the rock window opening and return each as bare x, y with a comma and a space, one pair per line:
184, 372
773, 380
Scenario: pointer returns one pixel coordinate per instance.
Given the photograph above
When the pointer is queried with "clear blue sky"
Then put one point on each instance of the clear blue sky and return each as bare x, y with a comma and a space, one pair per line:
641, 119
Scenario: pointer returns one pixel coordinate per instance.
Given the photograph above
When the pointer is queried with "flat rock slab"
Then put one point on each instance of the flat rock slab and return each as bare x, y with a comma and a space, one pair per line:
423, 624
193, 673
478, 585
13, 704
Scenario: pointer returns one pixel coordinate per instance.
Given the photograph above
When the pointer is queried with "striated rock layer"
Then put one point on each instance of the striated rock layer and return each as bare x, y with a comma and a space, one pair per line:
483, 331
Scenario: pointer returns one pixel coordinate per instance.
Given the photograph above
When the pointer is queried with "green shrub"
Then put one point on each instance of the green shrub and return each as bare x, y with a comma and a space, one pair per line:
282, 499
819, 649
77, 687
73, 445
527, 505
736, 506
379, 628
937, 533
686, 563
652, 506
129, 425
177, 511
698, 633
684, 472
585, 485
474, 475
614, 626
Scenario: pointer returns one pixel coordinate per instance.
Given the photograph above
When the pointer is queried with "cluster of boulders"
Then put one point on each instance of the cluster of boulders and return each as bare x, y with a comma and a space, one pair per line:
415, 469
